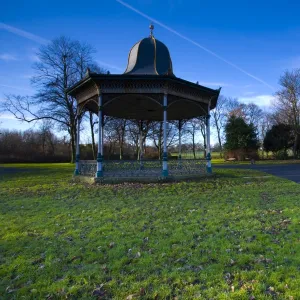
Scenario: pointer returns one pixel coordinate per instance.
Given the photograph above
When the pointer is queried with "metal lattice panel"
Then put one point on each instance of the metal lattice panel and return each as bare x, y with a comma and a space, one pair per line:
148, 168
88, 168
187, 167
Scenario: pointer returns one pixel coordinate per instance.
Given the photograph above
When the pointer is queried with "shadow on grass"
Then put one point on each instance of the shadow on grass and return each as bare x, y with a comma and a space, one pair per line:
28, 173
235, 173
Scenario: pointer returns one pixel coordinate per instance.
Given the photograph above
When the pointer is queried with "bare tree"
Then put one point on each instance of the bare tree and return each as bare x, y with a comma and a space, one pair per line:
47, 138
202, 125
265, 124
253, 113
220, 114
92, 123
156, 135
32, 145
117, 129
192, 128
133, 134
287, 103
84, 62
57, 70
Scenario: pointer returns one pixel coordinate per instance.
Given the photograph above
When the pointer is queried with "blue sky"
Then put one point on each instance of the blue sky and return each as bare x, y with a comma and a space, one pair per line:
242, 46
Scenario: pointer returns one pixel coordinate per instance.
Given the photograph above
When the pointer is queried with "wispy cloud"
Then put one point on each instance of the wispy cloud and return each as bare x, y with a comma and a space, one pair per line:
248, 86
218, 84
195, 43
104, 64
249, 93
27, 76
7, 117
41, 40
15, 87
8, 57
23, 33
34, 58
261, 100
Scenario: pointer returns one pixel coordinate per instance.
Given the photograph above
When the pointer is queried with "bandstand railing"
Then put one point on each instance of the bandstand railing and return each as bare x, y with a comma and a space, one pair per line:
148, 168
187, 167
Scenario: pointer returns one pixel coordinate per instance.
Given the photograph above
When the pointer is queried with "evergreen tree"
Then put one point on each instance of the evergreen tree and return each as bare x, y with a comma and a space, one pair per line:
279, 139
240, 135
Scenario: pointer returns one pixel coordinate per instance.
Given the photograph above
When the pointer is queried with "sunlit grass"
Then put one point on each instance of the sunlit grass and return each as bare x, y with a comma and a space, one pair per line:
217, 159
227, 237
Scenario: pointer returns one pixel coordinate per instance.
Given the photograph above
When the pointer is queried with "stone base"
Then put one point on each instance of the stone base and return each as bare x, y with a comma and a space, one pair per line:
208, 170
99, 174
165, 173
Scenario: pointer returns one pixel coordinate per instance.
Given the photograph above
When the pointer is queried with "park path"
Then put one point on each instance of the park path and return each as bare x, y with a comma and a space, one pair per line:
288, 171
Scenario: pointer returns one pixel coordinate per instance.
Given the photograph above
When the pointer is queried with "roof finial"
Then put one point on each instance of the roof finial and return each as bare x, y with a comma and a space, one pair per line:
151, 29
88, 72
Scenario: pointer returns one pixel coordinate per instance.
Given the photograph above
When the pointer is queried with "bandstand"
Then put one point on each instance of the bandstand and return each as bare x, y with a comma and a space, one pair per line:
148, 90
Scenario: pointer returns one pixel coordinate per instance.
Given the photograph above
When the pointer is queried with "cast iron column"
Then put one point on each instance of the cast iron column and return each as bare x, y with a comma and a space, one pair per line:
165, 172
77, 159
179, 138
141, 145
208, 154
100, 139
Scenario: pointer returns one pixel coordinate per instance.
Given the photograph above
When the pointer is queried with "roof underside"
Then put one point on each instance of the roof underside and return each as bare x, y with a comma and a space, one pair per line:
141, 97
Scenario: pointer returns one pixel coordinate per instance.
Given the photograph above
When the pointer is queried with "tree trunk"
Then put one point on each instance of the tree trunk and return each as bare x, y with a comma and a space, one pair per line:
219, 140
295, 146
121, 135
160, 141
93, 135
204, 149
204, 143
159, 151
73, 146
121, 152
137, 151
121, 145
144, 148
194, 146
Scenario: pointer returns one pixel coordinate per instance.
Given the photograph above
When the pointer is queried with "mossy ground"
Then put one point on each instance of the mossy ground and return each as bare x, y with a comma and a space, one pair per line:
226, 237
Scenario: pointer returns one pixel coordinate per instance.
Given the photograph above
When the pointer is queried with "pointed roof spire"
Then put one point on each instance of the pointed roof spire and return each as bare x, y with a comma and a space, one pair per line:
151, 29
88, 72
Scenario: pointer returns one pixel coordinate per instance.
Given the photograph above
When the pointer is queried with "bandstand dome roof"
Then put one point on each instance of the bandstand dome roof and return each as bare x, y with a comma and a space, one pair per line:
149, 56
139, 92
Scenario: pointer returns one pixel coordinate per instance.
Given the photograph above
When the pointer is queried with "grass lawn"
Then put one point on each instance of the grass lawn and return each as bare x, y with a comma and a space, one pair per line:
199, 154
216, 159
227, 237
258, 162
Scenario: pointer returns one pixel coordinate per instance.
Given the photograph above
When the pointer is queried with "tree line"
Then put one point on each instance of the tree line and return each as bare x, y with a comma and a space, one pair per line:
39, 145
276, 131
121, 141
238, 126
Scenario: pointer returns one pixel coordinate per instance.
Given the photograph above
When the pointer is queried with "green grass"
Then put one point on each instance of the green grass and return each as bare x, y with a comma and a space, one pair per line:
216, 159
199, 154
228, 237
258, 162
